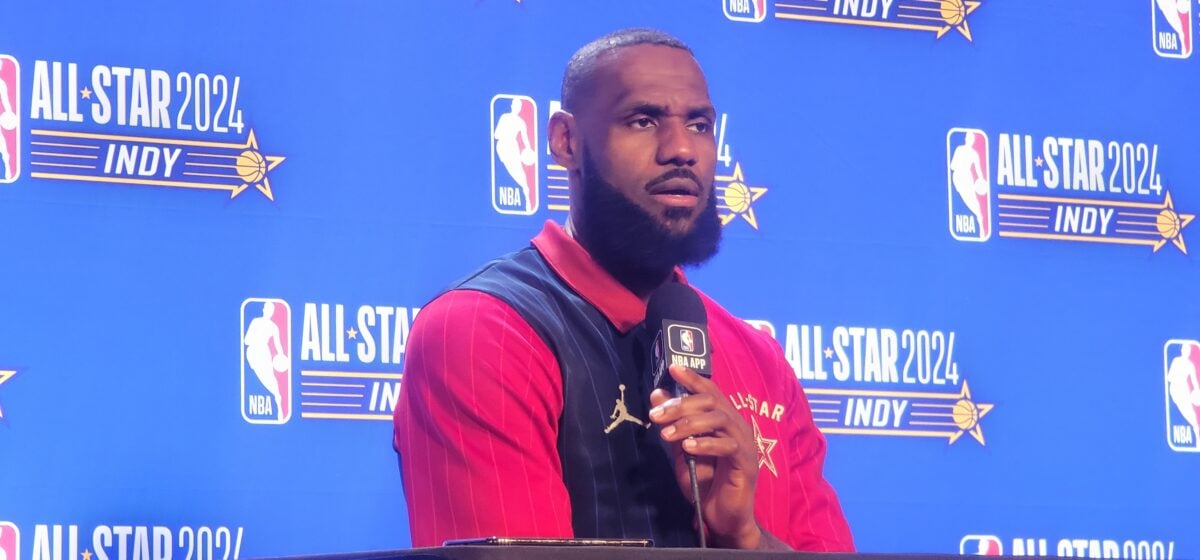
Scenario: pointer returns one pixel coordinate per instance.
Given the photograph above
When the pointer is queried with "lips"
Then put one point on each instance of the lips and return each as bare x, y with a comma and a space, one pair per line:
676, 187
677, 193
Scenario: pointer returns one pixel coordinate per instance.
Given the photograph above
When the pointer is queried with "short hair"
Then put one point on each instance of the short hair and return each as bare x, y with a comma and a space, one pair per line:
583, 62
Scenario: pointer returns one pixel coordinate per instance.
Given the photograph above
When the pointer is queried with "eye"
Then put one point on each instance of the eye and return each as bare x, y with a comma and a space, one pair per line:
702, 127
642, 122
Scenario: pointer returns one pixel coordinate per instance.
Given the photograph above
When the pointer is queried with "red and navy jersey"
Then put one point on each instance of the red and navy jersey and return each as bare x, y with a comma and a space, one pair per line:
524, 413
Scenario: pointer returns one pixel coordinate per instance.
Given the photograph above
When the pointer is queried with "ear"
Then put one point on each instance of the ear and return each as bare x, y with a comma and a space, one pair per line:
564, 140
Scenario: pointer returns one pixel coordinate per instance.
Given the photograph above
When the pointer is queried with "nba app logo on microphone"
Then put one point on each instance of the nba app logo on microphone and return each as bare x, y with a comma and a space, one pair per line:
266, 361
968, 184
687, 341
1181, 369
1172, 27
751, 11
10, 119
981, 545
10, 541
514, 154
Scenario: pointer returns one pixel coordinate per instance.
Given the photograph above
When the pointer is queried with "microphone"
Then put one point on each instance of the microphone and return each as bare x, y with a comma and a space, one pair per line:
676, 317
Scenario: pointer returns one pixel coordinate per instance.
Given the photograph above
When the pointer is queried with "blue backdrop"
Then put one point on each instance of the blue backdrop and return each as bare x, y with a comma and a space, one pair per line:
967, 222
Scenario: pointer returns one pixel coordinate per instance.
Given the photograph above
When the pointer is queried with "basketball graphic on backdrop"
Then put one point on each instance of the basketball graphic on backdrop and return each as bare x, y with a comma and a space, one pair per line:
1167, 223
965, 414
251, 166
952, 11
737, 197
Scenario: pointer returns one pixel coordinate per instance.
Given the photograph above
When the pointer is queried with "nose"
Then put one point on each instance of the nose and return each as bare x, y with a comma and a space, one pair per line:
676, 144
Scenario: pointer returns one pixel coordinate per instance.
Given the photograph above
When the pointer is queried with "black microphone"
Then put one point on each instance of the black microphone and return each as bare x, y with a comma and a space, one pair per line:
676, 318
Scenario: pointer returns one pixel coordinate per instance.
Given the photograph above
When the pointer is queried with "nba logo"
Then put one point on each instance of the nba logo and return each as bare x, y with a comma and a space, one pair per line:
1181, 365
10, 119
759, 324
10, 541
266, 361
968, 184
687, 342
751, 11
981, 545
514, 155
1172, 27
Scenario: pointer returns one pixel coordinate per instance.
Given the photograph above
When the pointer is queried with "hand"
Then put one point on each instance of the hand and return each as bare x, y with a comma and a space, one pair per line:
705, 425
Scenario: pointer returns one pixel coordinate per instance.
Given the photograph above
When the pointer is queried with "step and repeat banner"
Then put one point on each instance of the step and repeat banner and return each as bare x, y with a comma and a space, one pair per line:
969, 224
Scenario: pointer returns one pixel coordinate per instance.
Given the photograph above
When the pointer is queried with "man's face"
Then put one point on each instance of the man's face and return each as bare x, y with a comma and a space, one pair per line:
646, 124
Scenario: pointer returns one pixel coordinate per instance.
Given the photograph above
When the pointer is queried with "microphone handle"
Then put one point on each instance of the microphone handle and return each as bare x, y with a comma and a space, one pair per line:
691, 463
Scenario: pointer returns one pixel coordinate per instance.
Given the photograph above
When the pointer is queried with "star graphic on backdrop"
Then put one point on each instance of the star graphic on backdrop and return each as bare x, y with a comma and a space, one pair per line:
1038, 161
256, 178
737, 198
967, 414
954, 13
85, 93
351, 333
828, 353
765, 446
5, 375
1169, 217
86, 554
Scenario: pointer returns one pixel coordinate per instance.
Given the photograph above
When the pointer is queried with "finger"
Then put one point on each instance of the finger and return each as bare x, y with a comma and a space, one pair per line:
675, 408
658, 397
711, 422
695, 383
712, 447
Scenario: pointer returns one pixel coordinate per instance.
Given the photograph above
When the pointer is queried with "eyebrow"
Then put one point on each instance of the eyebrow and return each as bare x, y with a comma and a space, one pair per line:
655, 110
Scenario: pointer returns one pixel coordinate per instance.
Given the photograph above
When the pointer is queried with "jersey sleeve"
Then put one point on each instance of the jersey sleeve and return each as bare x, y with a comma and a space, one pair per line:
816, 519
476, 425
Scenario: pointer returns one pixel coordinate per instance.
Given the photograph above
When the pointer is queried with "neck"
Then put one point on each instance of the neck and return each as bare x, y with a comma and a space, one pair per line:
638, 278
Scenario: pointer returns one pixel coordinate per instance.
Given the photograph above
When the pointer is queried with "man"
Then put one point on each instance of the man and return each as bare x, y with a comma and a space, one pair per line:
506, 424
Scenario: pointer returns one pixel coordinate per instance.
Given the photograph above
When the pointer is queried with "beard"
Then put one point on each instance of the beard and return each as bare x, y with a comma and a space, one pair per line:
630, 243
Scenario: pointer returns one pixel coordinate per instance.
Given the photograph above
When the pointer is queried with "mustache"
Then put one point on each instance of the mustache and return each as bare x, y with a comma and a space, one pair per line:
677, 173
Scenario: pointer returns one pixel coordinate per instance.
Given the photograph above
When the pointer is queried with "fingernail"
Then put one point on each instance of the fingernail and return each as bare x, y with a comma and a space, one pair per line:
668, 431
656, 412
689, 444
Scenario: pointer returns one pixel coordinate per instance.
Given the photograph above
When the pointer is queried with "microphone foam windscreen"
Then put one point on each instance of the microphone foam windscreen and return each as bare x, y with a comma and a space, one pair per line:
677, 302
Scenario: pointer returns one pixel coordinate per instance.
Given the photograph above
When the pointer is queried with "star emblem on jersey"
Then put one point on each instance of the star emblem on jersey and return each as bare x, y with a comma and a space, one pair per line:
765, 447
